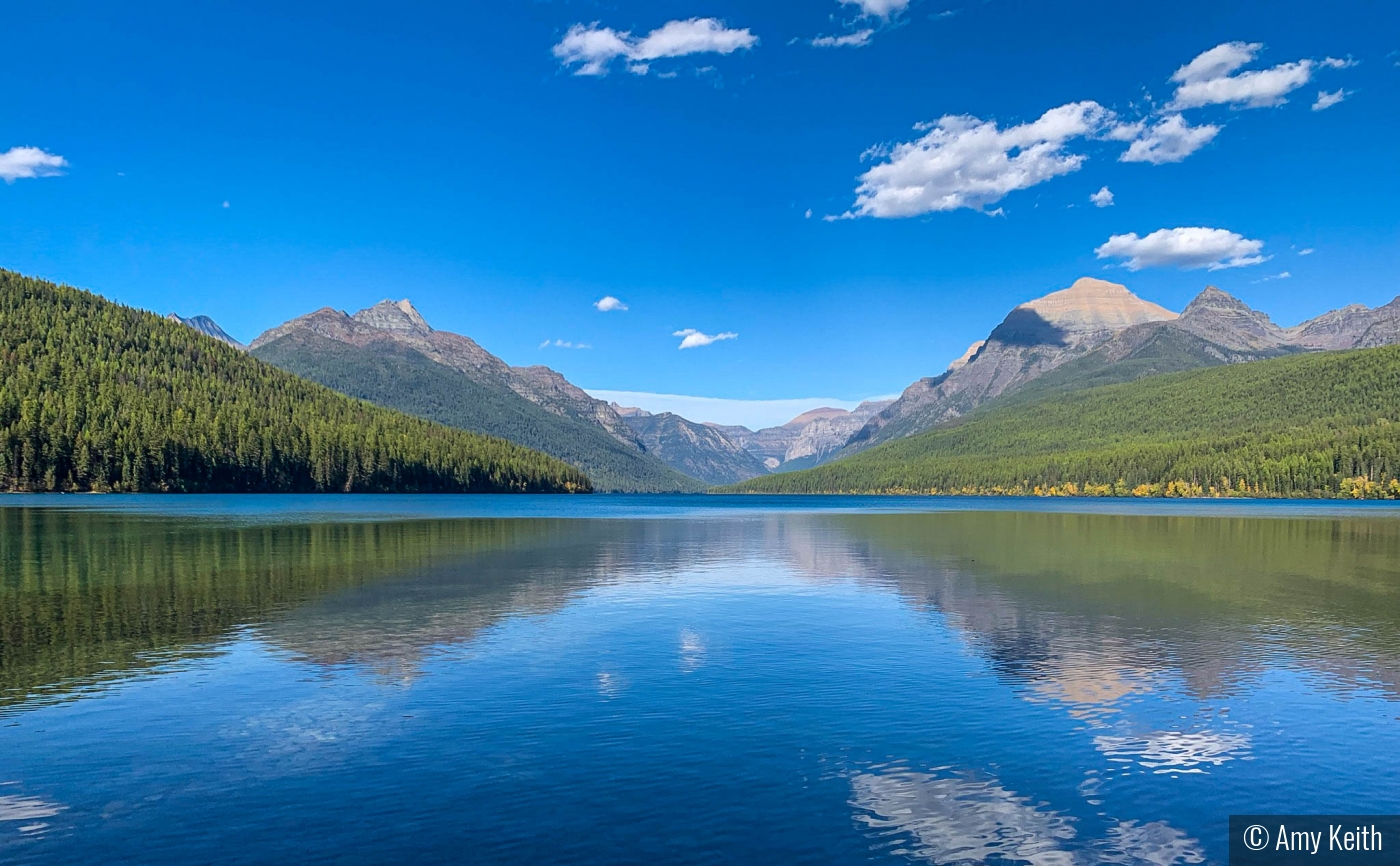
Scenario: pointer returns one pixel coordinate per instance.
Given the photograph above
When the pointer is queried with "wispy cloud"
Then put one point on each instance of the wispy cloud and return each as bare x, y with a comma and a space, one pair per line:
1306, 251
1326, 100
563, 344
1186, 248
693, 339
1102, 198
609, 304
1281, 275
29, 162
878, 8
858, 39
1213, 78
590, 49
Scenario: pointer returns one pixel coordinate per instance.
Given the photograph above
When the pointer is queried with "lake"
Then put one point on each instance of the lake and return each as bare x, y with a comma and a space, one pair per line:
686, 679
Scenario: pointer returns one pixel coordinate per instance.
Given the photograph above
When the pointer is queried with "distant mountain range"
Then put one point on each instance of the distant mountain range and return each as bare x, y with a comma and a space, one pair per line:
1091, 334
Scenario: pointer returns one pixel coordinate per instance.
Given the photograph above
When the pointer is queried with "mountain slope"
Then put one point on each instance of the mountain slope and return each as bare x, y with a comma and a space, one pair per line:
1318, 424
98, 396
208, 327
390, 356
698, 450
1033, 339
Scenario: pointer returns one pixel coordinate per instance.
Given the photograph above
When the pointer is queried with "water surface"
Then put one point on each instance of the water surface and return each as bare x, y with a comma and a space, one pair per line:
686, 679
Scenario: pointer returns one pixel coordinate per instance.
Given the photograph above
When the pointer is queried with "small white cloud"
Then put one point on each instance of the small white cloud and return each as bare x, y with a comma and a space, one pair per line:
858, 39
225, 205
591, 49
1306, 251
1102, 198
28, 162
1212, 78
808, 215
965, 162
693, 339
563, 344
1326, 100
608, 304
879, 8
1281, 275
1171, 139
1185, 248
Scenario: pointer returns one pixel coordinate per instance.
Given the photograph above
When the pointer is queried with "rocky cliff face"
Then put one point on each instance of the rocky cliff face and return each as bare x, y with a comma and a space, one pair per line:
1355, 326
826, 435
398, 322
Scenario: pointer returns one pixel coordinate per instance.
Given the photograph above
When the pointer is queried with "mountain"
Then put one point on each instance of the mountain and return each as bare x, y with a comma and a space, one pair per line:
825, 435
1034, 338
388, 354
1097, 333
1304, 424
97, 396
207, 326
698, 450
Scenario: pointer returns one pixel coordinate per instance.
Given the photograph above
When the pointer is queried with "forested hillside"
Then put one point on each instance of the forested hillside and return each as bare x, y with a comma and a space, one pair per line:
400, 378
98, 396
1324, 424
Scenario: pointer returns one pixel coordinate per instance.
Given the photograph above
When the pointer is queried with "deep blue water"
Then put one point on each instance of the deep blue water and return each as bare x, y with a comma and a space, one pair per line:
686, 679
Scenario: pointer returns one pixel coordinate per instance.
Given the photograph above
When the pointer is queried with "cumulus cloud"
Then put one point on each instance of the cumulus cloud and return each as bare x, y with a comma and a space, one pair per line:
1326, 100
608, 304
879, 8
1185, 248
591, 49
1102, 198
693, 339
1170, 139
563, 344
26, 162
965, 162
858, 39
1213, 78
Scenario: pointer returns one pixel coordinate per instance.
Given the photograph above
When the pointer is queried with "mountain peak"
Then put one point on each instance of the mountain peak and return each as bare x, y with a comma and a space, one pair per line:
1212, 298
394, 316
1227, 321
1092, 305
207, 326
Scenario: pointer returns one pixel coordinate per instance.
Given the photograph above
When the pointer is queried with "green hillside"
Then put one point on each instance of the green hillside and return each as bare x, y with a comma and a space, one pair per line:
1325, 424
402, 379
98, 396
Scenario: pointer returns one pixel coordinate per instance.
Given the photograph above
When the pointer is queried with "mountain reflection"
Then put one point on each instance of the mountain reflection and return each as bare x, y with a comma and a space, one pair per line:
1079, 610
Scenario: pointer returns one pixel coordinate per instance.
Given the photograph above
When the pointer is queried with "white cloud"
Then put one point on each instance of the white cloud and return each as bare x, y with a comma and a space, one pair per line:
1171, 139
1185, 248
563, 344
966, 162
1102, 198
694, 339
224, 205
1306, 251
754, 414
25, 162
1212, 78
1281, 275
591, 48
858, 39
1326, 100
879, 8
608, 304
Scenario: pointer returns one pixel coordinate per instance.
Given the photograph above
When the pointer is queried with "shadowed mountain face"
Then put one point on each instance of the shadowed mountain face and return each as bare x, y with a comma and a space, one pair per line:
389, 355
698, 450
1097, 333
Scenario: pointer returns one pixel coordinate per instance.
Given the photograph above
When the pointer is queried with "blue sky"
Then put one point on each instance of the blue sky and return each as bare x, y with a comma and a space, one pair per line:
453, 154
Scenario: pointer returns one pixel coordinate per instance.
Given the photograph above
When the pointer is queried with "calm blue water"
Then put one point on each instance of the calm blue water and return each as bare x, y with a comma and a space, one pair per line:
686, 679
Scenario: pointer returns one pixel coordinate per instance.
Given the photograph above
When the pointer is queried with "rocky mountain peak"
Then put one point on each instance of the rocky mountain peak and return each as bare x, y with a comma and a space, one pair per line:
967, 356
1095, 305
1213, 301
1227, 321
394, 316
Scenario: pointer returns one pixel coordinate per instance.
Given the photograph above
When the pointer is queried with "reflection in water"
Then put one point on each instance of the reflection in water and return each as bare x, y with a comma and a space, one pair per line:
659, 677
954, 819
